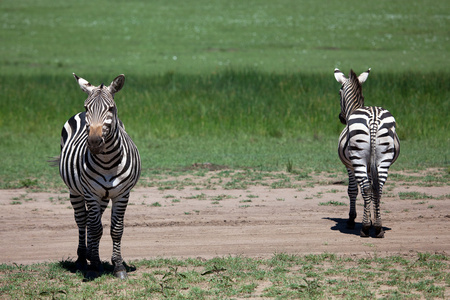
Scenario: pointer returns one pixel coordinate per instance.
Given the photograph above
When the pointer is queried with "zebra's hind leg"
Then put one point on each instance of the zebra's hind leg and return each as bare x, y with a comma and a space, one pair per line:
79, 207
117, 225
352, 194
366, 221
379, 232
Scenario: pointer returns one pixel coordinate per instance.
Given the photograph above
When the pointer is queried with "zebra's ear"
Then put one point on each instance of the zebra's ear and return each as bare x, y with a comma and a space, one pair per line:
84, 84
363, 77
117, 84
340, 77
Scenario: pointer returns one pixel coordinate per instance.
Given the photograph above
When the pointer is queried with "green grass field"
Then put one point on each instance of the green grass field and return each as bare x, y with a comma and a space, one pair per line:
243, 84
238, 119
198, 37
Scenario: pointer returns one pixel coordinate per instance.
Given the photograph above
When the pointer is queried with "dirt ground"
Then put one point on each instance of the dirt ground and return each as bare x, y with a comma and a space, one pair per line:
198, 216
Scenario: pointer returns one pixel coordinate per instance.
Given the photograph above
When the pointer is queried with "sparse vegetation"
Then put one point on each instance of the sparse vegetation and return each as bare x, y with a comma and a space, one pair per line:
413, 195
333, 203
319, 276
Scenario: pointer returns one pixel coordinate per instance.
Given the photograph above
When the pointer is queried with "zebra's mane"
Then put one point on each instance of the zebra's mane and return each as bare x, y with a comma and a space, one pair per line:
356, 86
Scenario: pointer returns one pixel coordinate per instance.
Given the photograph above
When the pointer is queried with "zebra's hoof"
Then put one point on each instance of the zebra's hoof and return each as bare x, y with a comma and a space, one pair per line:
365, 231
81, 265
121, 275
120, 271
91, 275
94, 270
379, 232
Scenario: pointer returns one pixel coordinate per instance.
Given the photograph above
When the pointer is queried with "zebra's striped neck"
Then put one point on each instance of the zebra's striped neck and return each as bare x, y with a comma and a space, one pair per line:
350, 105
351, 96
114, 148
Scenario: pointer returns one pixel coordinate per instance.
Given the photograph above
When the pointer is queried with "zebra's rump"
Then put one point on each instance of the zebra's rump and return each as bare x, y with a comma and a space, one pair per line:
366, 126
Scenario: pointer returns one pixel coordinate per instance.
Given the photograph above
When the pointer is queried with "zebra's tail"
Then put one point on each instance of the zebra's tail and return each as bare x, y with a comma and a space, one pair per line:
54, 161
373, 161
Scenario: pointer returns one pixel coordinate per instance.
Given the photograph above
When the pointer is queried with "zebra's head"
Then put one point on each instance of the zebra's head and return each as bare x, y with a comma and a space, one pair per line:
350, 92
101, 112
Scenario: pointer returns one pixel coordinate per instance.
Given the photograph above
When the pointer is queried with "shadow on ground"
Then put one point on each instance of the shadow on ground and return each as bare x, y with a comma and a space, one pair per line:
107, 267
341, 226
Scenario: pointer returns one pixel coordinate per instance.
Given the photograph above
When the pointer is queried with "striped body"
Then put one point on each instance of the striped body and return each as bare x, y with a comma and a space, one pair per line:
368, 146
107, 175
99, 162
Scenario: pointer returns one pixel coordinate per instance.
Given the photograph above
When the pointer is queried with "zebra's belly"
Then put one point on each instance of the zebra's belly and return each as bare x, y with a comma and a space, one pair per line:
343, 149
84, 180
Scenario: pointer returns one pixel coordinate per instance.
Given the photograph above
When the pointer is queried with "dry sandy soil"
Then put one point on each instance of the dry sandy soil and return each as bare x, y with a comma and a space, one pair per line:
197, 216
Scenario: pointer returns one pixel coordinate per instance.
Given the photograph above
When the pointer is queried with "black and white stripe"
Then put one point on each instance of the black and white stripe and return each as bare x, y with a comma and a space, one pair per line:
368, 146
99, 162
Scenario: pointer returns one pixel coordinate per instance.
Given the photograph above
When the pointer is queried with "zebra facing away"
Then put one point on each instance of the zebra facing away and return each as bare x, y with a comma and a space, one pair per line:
99, 162
368, 146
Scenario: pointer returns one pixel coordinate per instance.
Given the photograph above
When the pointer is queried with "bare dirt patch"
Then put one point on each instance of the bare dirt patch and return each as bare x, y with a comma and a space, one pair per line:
220, 213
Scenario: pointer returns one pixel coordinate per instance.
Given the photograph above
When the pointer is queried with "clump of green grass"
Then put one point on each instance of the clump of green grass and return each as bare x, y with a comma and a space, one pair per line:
333, 203
318, 276
413, 195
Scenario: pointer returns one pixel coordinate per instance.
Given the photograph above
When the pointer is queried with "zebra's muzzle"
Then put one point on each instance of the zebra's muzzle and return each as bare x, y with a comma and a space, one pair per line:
95, 144
95, 141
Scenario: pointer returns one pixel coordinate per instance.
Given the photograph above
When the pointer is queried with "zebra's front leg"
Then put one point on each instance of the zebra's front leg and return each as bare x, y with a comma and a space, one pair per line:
80, 215
352, 194
117, 224
94, 234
